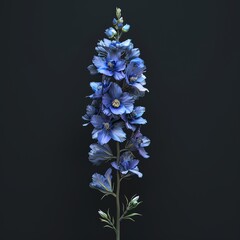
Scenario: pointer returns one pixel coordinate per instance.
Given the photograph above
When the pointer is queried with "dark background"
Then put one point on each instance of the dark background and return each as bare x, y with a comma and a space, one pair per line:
191, 185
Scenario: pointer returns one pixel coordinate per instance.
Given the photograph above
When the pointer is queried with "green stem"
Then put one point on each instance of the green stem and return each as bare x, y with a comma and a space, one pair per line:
118, 197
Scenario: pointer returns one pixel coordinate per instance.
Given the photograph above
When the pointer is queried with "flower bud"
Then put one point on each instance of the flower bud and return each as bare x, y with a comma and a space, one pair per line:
120, 25
120, 20
110, 32
115, 21
135, 200
118, 12
126, 28
102, 214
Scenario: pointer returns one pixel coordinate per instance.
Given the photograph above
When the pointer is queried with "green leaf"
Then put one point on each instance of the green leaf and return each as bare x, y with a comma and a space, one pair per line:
133, 214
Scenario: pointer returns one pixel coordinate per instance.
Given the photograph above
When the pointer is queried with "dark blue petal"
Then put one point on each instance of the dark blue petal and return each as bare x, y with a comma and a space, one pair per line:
92, 69
107, 100
115, 91
115, 165
97, 121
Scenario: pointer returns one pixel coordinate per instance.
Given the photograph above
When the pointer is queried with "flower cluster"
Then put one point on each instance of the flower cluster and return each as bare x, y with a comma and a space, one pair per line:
113, 112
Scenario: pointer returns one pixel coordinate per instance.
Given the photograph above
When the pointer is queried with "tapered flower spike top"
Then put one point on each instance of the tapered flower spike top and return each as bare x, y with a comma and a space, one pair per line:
115, 118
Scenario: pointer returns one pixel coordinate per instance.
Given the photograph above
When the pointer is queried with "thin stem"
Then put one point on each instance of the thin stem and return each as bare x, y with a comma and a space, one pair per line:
117, 197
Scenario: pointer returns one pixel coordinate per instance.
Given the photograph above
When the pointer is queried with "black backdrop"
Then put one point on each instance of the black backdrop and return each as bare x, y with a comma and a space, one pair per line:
190, 187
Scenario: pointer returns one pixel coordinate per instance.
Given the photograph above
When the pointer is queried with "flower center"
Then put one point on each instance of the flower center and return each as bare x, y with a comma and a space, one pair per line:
111, 64
139, 140
133, 79
106, 125
116, 103
133, 114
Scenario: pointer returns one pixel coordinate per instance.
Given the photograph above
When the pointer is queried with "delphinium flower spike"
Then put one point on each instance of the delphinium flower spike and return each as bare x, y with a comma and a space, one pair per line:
116, 118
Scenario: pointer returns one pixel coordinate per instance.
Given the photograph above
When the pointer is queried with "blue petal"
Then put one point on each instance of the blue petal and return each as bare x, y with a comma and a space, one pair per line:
143, 153
97, 121
130, 126
140, 87
108, 176
139, 111
120, 66
106, 100
95, 85
104, 70
99, 61
139, 121
118, 134
119, 75
133, 163
92, 69
95, 133
115, 165
120, 110
127, 100
115, 91
125, 43
139, 174
104, 136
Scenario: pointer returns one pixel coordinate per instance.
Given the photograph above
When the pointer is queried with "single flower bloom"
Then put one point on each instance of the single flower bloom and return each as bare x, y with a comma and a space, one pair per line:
99, 153
112, 65
134, 118
127, 164
105, 130
117, 101
139, 142
110, 32
134, 74
103, 183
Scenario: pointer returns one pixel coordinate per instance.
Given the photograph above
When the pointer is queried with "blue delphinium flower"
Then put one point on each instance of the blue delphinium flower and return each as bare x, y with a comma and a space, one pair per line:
139, 142
112, 65
117, 101
102, 183
110, 32
115, 118
105, 129
127, 164
100, 153
134, 74
134, 118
